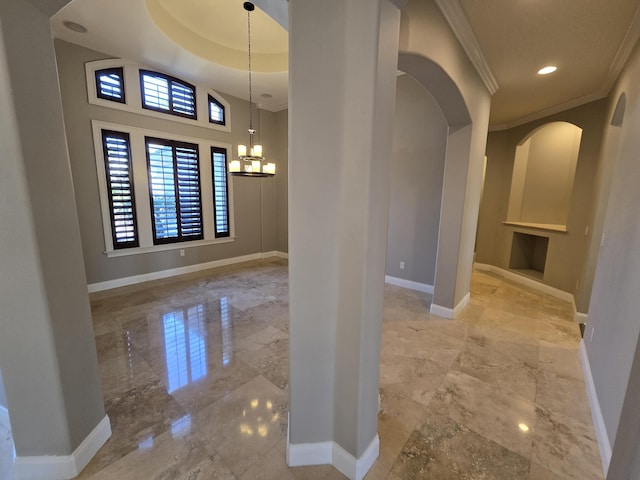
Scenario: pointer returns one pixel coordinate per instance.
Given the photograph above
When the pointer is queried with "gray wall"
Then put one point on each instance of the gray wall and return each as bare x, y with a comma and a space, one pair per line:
47, 351
253, 233
615, 303
567, 251
419, 145
3, 395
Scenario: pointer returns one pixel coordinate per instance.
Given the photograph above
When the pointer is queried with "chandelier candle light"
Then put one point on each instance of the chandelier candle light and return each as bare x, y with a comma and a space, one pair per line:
250, 162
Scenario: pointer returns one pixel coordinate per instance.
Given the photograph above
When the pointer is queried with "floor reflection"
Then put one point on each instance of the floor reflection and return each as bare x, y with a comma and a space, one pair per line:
227, 346
185, 346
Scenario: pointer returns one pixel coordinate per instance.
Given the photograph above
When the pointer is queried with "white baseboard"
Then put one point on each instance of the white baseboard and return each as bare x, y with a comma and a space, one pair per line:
526, 281
172, 272
275, 253
50, 467
446, 312
324, 453
410, 284
596, 413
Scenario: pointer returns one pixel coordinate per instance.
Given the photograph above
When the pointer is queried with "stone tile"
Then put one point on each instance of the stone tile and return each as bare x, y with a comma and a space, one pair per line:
446, 450
396, 402
482, 408
137, 417
378, 471
245, 424
540, 473
179, 453
392, 438
566, 446
563, 360
563, 394
227, 333
507, 372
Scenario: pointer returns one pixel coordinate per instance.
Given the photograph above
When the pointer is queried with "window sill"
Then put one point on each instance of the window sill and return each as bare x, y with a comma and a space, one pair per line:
125, 252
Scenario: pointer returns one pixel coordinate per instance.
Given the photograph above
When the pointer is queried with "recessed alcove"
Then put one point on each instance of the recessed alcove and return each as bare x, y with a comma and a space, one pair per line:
529, 254
543, 174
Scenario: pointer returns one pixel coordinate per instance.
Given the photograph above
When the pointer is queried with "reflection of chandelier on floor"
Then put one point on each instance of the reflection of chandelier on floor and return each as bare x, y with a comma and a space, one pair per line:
250, 161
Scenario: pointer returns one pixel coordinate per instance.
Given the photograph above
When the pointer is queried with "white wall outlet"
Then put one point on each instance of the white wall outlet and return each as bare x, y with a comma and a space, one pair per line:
586, 231
593, 330
401, 265
602, 241
182, 252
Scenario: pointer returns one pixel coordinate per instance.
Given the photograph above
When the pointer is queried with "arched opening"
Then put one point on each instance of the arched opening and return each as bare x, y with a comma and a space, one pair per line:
447, 290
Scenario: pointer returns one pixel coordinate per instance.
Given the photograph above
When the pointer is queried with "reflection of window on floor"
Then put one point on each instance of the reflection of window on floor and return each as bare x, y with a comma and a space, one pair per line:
181, 426
185, 346
226, 331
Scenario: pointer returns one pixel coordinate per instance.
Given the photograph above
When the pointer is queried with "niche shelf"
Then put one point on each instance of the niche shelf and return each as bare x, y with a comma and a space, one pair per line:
529, 254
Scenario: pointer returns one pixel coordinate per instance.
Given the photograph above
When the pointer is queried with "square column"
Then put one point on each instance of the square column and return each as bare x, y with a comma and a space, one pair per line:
343, 63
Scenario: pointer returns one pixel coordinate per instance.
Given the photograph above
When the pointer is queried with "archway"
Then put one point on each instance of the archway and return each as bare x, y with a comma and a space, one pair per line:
449, 294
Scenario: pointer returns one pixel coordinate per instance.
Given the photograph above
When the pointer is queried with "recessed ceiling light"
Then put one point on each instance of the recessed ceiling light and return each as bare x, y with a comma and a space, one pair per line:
266, 95
76, 27
547, 70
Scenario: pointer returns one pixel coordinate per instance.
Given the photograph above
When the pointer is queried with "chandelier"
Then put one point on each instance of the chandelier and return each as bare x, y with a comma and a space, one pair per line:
250, 162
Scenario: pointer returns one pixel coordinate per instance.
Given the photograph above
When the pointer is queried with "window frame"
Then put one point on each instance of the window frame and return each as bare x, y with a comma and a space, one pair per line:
174, 145
225, 175
142, 193
211, 99
124, 136
133, 98
170, 82
120, 72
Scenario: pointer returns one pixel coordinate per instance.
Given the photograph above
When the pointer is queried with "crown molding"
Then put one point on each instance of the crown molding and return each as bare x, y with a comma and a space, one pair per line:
576, 102
624, 51
455, 16
272, 108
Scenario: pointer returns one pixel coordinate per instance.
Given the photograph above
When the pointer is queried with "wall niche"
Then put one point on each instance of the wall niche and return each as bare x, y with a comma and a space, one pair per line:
543, 175
529, 254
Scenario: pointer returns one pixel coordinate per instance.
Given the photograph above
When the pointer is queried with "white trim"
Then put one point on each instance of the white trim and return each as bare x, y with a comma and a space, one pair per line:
140, 174
446, 312
526, 281
275, 253
323, 453
457, 20
172, 272
301, 454
580, 317
624, 51
49, 467
125, 252
5, 421
596, 412
132, 91
410, 284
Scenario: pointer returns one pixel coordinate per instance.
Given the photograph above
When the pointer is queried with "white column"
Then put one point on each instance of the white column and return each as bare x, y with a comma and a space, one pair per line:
343, 60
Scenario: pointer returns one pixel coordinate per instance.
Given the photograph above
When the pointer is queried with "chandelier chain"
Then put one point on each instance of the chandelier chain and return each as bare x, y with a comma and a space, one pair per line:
250, 89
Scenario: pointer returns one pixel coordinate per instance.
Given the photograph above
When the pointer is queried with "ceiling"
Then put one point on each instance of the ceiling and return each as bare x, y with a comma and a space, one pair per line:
204, 41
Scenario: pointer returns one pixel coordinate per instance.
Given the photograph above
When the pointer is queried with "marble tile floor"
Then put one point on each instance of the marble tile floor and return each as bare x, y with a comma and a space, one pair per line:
194, 374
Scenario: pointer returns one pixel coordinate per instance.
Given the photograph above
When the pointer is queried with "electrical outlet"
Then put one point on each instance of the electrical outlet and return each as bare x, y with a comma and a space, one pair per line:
586, 231
182, 252
401, 265
593, 330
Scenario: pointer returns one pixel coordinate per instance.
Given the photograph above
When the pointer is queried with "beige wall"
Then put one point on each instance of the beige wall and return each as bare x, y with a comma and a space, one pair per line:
567, 251
257, 202
613, 330
543, 174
